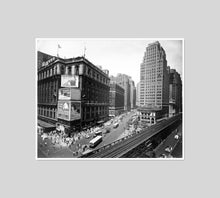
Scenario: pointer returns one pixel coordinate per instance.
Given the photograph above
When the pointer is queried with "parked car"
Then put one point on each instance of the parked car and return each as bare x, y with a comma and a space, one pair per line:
169, 149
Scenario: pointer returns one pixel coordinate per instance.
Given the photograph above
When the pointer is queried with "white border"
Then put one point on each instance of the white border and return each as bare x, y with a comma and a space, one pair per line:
118, 159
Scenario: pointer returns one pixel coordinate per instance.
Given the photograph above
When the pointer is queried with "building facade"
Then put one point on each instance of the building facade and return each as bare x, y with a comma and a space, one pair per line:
138, 95
72, 93
123, 81
132, 94
175, 92
154, 84
116, 99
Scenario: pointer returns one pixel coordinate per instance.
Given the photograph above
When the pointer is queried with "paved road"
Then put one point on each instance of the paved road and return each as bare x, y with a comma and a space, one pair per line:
115, 133
169, 141
178, 150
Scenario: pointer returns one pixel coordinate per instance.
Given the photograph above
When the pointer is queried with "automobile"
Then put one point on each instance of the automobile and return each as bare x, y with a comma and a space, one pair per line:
176, 137
107, 130
162, 156
169, 149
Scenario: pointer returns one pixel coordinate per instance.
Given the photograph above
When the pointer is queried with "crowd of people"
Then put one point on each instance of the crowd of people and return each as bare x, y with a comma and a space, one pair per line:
60, 139
76, 142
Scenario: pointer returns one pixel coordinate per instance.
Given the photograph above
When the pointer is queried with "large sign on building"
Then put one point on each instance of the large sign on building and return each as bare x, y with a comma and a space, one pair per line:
75, 111
69, 94
69, 81
68, 110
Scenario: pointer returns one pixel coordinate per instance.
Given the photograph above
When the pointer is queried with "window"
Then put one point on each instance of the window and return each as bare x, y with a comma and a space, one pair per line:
69, 70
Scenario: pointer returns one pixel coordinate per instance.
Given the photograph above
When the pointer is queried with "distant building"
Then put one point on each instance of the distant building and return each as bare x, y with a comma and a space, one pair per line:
138, 95
154, 84
123, 81
132, 94
72, 93
116, 99
134, 98
175, 92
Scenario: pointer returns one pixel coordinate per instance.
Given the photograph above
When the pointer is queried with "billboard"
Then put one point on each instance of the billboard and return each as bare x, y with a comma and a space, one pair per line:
64, 94
69, 81
75, 111
63, 110
69, 94
68, 110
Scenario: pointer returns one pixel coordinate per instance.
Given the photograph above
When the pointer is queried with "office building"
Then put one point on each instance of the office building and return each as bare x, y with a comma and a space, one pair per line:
123, 81
116, 99
138, 95
175, 92
132, 94
154, 84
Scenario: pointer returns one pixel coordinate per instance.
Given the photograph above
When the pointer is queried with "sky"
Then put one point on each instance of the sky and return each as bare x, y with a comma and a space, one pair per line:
116, 55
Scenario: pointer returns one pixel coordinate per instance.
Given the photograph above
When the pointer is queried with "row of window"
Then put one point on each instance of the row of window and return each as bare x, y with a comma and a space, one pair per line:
57, 69
95, 75
68, 70
47, 112
48, 92
94, 112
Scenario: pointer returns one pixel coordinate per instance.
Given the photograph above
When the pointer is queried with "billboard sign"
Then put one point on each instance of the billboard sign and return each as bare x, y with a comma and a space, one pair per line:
64, 94
68, 110
69, 81
69, 94
75, 111
63, 110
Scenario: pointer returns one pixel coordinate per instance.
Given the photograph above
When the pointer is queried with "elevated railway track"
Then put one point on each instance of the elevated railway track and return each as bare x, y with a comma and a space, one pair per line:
120, 147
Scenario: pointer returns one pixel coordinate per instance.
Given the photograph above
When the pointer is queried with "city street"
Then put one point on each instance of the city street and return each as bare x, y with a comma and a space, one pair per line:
169, 142
116, 132
82, 106
47, 149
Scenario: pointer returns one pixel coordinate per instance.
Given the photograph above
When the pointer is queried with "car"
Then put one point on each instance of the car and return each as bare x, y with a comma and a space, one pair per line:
176, 137
168, 149
163, 156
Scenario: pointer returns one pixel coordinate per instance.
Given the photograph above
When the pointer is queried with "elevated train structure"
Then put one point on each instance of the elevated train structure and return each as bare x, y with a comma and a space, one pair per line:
134, 145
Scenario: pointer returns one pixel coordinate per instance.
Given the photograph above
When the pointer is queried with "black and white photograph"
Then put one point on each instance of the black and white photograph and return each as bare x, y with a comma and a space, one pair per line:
109, 98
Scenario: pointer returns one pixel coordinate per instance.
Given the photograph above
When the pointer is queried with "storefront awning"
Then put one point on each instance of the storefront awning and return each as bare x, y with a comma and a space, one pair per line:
45, 124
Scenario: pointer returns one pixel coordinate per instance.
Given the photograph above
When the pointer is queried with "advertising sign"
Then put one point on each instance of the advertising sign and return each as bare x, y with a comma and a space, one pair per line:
69, 94
64, 94
69, 81
75, 111
68, 110
63, 110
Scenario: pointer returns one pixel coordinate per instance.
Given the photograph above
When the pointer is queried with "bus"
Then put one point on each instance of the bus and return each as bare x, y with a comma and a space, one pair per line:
95, 141
116, 125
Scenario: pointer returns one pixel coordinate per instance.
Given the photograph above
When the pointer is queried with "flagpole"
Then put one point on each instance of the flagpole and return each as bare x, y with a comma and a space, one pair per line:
58, 46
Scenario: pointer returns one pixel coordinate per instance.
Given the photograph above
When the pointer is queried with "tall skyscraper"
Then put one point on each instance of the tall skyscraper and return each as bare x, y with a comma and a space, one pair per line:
154, 84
